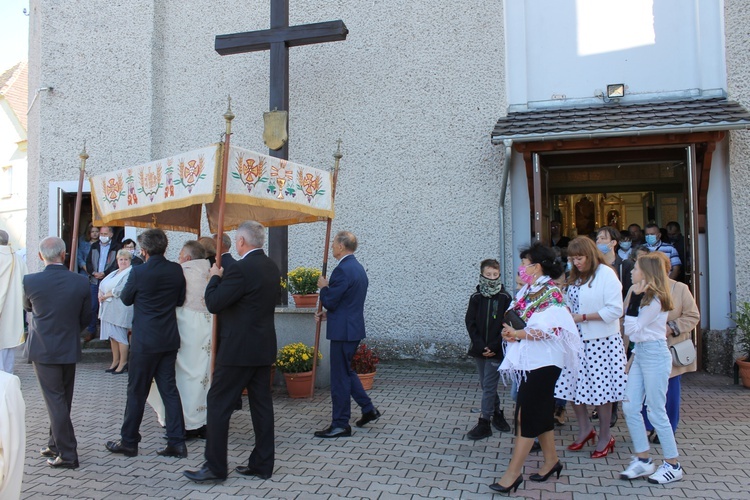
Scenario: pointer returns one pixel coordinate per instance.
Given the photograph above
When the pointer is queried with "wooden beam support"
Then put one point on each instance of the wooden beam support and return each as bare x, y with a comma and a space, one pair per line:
292, 36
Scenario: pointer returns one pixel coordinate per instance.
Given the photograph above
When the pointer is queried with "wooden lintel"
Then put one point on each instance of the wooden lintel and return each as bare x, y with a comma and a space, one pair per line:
620, 142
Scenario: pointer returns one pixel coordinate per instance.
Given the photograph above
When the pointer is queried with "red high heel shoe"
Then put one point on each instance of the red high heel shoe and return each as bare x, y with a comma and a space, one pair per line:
578, 446
607, 449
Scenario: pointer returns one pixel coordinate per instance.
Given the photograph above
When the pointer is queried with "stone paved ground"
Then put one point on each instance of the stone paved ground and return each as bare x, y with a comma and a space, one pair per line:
417, 450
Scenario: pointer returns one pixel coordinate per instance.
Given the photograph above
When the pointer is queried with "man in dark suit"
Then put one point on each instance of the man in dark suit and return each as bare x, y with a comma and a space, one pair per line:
155, 289
101, 260
244, 299
344, 299
59, 304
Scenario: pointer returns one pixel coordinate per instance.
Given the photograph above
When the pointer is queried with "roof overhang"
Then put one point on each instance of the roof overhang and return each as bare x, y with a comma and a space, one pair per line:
620, 120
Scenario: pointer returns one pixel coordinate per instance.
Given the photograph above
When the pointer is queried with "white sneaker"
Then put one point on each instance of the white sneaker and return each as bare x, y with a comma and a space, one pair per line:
666, 474
637, 468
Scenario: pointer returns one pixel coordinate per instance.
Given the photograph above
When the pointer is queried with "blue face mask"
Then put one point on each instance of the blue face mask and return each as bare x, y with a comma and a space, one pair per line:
651, 239
603, 247
625, 245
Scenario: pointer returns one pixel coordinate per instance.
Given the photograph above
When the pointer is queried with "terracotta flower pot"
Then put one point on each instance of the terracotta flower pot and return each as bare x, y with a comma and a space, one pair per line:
367, 379
302, 301
744, 372
298, 385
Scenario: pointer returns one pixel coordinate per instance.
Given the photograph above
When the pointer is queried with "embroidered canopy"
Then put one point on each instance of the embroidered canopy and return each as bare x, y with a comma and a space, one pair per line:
170, 193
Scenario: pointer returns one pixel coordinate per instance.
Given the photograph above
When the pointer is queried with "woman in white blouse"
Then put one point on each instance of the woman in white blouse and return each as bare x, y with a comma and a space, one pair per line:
646, 326
594, 296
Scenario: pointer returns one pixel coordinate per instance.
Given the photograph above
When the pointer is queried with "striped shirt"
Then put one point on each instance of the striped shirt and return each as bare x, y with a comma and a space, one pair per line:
674, 257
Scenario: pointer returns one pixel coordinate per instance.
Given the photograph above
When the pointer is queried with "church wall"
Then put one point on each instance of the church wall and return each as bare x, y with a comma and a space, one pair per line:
737, 16
413, 93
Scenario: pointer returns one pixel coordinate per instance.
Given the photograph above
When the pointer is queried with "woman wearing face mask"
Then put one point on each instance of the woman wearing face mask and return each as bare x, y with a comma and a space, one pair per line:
594, 296
534, 357
129, 245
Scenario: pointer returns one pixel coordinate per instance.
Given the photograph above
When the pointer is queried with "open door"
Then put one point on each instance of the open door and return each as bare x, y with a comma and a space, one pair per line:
542, 205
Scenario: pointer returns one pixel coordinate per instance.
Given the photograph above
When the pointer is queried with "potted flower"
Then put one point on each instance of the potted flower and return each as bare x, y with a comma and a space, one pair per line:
742, 319
295, 361
302, 283
364, 364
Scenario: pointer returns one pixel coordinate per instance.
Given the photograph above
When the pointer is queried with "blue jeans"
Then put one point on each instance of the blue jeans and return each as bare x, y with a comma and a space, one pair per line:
647, 381
673, 404
488, 379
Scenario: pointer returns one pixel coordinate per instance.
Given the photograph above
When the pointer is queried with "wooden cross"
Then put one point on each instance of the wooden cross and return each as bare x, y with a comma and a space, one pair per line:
278, 39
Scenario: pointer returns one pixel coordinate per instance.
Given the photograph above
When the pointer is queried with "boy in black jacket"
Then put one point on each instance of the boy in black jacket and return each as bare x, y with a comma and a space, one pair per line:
484, 321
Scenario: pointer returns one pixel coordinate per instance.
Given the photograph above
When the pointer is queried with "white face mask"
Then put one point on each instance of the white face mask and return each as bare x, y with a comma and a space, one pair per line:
105, 239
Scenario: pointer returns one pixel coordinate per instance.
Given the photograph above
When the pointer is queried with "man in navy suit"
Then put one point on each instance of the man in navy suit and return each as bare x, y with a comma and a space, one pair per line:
244, 298
344, 299
155, 289
60, 308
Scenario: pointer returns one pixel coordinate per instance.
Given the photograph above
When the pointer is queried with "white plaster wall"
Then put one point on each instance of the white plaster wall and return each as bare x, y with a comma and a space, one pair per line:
574, 48
413, 92
13, 154
737, 16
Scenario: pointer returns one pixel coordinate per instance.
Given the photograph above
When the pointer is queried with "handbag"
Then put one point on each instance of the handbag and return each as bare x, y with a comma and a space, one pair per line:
514, 320
683, 353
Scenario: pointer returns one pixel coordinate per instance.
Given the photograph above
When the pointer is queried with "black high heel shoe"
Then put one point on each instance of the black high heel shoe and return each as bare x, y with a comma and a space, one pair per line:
124, 369
513, 487
540, 479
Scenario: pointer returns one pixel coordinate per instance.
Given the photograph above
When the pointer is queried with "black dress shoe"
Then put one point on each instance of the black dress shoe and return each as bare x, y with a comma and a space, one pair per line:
118, 447
110, 370
203, 474
248, 471
199, 433
59, 463
507, 489
368, 417
48, 453
334, 432
177, 450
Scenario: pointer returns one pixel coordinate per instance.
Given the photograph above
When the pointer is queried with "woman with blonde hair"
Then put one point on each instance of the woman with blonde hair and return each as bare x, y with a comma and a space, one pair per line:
646, 325
594, 296
116, 318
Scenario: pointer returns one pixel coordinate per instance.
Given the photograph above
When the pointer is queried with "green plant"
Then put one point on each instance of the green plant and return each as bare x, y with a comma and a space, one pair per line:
741, 317
296, 358
303, 280
365, 359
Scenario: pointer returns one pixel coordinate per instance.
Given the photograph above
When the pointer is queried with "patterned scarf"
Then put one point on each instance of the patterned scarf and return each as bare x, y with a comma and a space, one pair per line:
488, 287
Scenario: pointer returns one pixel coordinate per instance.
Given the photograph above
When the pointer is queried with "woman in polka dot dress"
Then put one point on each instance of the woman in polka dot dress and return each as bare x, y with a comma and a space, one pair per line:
594, 296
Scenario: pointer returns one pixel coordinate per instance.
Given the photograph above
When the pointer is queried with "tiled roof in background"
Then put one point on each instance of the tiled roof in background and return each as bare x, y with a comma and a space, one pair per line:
14, 86
606, 120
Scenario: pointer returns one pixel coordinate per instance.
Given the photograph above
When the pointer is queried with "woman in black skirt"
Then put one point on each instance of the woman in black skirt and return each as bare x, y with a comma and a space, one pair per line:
535, 355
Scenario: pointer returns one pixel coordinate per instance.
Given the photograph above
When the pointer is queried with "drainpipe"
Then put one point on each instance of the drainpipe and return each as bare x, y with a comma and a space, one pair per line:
510, 285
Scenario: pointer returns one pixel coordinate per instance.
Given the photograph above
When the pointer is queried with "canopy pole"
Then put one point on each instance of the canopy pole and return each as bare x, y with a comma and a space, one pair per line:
77, 214
228, 117
337, 156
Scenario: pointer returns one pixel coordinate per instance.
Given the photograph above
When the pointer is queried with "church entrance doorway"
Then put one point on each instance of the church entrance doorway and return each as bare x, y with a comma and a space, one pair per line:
619, 181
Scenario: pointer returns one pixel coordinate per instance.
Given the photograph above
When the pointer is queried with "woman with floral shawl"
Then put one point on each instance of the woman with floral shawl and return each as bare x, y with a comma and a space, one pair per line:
534, 356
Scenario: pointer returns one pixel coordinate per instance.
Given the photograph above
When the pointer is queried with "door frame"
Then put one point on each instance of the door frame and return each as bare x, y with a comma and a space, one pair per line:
698, 147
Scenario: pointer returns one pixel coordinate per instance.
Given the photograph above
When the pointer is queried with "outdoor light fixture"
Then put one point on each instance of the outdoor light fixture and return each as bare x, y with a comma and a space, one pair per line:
615, 90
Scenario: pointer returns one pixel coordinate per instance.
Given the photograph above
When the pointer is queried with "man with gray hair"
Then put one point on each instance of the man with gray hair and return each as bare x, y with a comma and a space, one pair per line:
344, 299
58, 301
12, 271
244, 298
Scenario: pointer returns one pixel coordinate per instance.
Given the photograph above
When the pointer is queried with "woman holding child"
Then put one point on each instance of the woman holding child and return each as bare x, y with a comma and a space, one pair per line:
535, 355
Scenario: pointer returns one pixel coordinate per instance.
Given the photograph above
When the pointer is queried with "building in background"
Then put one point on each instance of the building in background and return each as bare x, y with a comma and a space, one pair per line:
14, 90
466, 129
